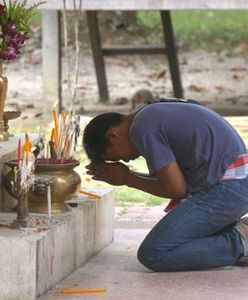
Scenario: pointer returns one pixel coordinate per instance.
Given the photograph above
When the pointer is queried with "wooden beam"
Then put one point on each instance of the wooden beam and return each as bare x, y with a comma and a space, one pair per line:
171, 53
95, 40
131, 49
146, 4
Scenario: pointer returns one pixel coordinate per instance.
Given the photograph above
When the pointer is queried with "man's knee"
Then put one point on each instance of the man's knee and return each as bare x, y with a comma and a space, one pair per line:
150, 258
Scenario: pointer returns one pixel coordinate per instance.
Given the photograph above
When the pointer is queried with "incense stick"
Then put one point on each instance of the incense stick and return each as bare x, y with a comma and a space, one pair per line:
19, 153
49, 202
56, 127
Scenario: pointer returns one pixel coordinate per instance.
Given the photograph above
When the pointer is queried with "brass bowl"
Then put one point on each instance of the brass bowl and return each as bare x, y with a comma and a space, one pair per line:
64, 182
9, 115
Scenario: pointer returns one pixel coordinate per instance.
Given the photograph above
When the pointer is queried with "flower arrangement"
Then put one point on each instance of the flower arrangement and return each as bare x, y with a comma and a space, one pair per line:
14, 26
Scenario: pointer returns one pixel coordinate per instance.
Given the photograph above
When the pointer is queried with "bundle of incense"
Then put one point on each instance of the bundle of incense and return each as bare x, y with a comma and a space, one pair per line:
63, 126
64, 136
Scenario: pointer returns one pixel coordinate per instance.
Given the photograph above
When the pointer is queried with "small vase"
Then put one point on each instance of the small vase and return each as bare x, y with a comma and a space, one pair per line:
11, 182
3, 93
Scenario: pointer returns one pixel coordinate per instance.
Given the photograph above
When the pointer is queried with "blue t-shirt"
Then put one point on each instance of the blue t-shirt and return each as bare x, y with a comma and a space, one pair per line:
201, 141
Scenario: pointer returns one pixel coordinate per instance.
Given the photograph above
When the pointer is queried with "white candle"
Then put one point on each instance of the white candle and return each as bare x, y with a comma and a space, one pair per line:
49, 202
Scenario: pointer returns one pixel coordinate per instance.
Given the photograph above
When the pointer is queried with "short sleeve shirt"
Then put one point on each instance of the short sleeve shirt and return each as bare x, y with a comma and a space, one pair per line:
201, 141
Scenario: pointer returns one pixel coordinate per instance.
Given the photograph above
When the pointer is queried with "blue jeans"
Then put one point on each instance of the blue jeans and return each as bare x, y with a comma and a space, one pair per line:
200, 232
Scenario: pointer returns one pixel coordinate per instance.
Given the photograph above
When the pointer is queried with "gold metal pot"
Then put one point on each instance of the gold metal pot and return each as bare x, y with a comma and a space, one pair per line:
64, 182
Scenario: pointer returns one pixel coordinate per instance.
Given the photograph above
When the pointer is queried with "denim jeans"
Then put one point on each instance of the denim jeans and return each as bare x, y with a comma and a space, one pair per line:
200, 232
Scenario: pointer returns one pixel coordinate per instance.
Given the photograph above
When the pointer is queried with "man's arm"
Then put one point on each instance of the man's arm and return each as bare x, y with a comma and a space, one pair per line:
169, 181
143, 175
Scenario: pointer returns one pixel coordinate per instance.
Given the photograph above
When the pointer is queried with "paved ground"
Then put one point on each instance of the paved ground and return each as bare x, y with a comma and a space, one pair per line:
117, 270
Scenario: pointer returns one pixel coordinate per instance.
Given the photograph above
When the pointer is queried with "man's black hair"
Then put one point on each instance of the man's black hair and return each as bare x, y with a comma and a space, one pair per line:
94, 138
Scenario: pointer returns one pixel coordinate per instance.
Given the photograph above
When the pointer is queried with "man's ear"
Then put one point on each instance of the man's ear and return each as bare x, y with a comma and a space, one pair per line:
112, 134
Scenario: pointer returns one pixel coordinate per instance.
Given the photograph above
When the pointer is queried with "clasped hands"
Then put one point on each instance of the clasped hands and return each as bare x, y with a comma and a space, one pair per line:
113, 173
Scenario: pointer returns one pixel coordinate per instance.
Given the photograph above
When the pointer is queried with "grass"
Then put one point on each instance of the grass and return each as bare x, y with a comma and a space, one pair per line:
214, 30
210, 30
36, 19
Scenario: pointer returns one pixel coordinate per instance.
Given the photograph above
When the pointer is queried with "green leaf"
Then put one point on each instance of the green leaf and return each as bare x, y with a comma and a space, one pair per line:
19, 13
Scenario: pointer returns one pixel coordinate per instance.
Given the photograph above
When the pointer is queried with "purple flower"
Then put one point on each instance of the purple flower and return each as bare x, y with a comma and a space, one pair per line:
13, 31
12, 53
12, 40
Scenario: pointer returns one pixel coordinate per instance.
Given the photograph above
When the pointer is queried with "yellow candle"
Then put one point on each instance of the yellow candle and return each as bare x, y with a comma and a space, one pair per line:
27, 146
53, 137
96, 290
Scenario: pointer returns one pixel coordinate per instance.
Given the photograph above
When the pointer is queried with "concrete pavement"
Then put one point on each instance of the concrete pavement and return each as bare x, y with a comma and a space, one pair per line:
117, 270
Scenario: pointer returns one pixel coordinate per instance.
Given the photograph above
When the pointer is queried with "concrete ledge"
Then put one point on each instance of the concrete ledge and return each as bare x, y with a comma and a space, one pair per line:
32, 262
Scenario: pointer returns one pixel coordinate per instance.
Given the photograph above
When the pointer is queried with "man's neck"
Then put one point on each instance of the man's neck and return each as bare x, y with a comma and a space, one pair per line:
127, 120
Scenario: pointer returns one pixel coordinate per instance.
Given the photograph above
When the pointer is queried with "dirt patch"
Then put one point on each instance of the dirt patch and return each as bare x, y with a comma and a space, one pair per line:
215, 80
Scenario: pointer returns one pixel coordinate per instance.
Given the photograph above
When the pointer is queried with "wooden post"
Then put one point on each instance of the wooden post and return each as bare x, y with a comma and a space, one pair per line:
95, 40
171, 53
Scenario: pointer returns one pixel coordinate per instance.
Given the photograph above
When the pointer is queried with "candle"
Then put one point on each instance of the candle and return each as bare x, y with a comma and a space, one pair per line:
23, 154
90, 194
19, 153
52, 138
15, 174
56, 127
49, 202
78, 291
27, 147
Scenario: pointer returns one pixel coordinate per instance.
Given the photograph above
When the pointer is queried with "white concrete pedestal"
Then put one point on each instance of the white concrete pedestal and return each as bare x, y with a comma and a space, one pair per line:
31, 262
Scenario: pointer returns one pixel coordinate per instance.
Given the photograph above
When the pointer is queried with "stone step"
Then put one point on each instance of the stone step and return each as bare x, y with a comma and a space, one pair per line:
33, 260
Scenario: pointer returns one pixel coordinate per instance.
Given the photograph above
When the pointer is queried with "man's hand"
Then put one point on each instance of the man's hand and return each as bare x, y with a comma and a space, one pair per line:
112, 173
169, 181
